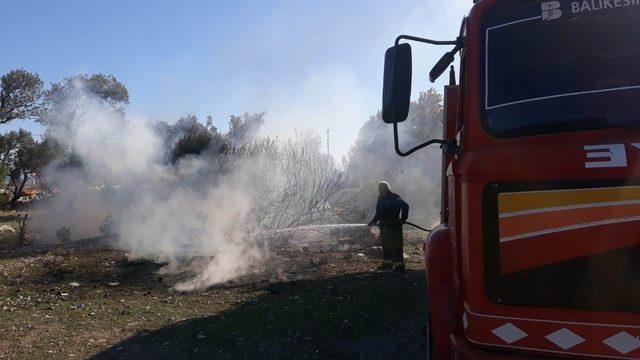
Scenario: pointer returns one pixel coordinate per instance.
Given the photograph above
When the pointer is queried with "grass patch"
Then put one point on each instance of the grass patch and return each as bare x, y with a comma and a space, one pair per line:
60, 304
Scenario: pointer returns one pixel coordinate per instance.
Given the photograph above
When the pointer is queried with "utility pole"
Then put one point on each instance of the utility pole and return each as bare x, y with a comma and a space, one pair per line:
328, 153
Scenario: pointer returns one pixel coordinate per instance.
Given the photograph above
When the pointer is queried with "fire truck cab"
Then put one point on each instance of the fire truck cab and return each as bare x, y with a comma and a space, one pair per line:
538, 250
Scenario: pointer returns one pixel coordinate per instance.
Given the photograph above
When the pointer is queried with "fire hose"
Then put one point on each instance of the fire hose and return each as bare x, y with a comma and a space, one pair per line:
417, 227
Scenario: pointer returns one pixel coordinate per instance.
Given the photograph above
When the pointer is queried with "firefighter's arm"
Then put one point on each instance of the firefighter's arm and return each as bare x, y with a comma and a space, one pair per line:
404, 215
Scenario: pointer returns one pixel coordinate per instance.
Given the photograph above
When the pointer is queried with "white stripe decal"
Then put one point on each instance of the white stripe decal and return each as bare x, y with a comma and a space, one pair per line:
468, 308
507, 318
514, 22
569, 207
486, 55
570, 227
565, 95
547, 351
569, 190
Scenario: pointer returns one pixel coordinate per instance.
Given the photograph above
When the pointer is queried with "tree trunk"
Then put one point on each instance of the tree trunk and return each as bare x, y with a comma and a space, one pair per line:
18, 190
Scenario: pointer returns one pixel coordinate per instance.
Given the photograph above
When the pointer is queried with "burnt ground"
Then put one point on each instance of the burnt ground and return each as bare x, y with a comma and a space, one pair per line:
88, 301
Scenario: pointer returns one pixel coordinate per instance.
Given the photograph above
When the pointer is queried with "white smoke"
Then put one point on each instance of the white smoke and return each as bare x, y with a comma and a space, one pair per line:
201, 215
159, 210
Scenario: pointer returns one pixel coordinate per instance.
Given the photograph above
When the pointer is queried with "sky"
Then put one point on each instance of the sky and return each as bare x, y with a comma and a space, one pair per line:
311, 66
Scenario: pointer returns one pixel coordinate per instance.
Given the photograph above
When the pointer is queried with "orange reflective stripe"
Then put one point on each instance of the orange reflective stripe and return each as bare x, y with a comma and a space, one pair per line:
521, 201
521, 224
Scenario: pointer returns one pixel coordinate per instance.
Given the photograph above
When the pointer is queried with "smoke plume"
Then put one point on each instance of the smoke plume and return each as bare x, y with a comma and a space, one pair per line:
203, 202
160, 210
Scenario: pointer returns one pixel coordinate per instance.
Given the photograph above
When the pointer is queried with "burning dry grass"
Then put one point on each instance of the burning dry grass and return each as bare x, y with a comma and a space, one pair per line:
77, 301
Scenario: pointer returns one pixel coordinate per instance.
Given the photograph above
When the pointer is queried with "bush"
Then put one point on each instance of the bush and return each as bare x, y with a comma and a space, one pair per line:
63, 234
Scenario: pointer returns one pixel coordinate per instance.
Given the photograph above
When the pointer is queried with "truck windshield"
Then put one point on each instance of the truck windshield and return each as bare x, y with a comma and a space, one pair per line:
565, 66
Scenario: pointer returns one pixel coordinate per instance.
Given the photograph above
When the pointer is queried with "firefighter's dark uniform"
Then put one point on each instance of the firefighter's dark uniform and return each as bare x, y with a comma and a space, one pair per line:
391, 213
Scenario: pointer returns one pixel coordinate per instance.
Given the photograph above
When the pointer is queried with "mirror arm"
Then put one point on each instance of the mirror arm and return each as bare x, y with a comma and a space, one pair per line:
447, 59
450, 147
457, 41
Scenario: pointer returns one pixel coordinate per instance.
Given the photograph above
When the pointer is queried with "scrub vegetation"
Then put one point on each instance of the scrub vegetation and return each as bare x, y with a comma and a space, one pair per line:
127, 237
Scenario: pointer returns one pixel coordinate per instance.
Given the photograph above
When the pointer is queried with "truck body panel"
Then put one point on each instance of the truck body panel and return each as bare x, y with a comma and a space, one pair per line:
541, 229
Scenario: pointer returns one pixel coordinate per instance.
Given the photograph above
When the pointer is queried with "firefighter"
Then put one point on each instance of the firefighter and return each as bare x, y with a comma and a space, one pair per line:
391, 213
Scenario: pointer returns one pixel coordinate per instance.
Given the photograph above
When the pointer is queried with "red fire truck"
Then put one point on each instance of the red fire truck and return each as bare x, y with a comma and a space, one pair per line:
538, 254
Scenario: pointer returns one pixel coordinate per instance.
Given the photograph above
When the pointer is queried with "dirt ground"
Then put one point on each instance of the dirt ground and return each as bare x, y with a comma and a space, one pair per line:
87, 301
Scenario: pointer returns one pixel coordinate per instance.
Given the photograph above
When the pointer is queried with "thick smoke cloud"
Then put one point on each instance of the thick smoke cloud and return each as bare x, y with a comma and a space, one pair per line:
160, 210
417, 177
208, 212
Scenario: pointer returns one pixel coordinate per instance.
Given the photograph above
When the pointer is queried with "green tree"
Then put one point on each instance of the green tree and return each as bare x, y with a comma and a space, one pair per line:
65, 99
243, 129
8, 146
194, 138
20, 95
188, 136
372, 159
22, 157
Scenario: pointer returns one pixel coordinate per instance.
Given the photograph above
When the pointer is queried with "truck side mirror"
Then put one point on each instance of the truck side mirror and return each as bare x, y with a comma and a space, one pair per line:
396, 91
